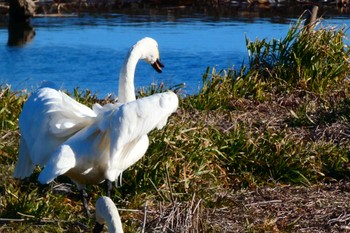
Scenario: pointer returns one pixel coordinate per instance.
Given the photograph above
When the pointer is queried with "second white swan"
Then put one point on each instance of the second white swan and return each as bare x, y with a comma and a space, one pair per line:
107, 212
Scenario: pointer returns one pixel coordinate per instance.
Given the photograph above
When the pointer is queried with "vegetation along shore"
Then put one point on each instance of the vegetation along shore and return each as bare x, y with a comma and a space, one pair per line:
261, 148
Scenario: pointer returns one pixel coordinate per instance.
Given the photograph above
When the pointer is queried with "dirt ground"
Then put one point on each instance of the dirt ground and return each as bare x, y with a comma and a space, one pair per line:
319, 208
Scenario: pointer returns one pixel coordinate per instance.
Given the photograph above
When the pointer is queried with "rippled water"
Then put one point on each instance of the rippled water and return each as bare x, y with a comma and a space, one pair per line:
87, 51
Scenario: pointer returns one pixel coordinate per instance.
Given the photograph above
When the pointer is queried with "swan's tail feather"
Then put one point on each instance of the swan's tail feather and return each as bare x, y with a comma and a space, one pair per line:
24, 166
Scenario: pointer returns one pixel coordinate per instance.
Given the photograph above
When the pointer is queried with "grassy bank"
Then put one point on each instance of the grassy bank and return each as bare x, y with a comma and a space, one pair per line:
280, 120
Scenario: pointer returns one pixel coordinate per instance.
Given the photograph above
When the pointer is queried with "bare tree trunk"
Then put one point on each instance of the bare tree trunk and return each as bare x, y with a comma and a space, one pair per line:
20, 31
311, 16
21, 10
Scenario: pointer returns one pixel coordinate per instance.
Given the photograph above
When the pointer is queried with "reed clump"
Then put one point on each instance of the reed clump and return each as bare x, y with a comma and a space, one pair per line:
282, 120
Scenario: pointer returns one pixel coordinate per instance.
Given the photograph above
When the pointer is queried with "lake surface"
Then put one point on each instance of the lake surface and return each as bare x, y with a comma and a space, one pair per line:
86, 51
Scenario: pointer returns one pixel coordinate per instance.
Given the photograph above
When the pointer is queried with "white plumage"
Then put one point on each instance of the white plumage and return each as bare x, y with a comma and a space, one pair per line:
116, 140
91, 145
107, 212
48, 118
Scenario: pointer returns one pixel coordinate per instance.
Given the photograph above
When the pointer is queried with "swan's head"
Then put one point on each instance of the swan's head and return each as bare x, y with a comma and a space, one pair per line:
150, 53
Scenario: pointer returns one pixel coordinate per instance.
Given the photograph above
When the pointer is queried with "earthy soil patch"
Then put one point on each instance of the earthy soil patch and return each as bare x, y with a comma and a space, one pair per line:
324, 207
320, 208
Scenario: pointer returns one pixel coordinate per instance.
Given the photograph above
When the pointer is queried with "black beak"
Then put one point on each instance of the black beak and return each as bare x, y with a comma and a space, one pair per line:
158, 66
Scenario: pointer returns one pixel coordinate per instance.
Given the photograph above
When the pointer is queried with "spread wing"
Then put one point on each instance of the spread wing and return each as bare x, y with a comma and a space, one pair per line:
113, 142
84, 152
48, 118
131, 123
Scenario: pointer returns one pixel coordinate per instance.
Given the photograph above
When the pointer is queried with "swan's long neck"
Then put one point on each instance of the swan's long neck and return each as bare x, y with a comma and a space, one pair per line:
114, 224
107, 212
126, 91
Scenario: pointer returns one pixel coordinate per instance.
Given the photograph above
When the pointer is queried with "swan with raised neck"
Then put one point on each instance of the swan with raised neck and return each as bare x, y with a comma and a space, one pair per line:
145, 49
52, 125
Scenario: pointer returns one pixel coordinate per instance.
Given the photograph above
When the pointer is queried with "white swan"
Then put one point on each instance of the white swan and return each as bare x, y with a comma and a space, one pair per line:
91, 145
107, 212
50, 117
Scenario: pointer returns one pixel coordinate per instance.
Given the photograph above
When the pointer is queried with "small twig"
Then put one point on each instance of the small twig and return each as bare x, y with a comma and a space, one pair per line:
3, 220
157, 189
6, 134
192, 201
340, 219
129, 210
8, 191
196, 207
188, 130
264, 202
169, 184
144, 218
26, 215
190, 215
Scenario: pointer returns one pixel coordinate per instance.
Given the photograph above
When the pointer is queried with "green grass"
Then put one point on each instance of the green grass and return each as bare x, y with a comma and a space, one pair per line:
283, 118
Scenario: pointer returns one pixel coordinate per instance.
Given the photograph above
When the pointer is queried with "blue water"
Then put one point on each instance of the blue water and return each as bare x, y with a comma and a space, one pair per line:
87, 51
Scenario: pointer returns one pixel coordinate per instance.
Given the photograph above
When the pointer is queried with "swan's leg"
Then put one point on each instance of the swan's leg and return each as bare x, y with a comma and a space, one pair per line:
84, 197
98, 228
109, 186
